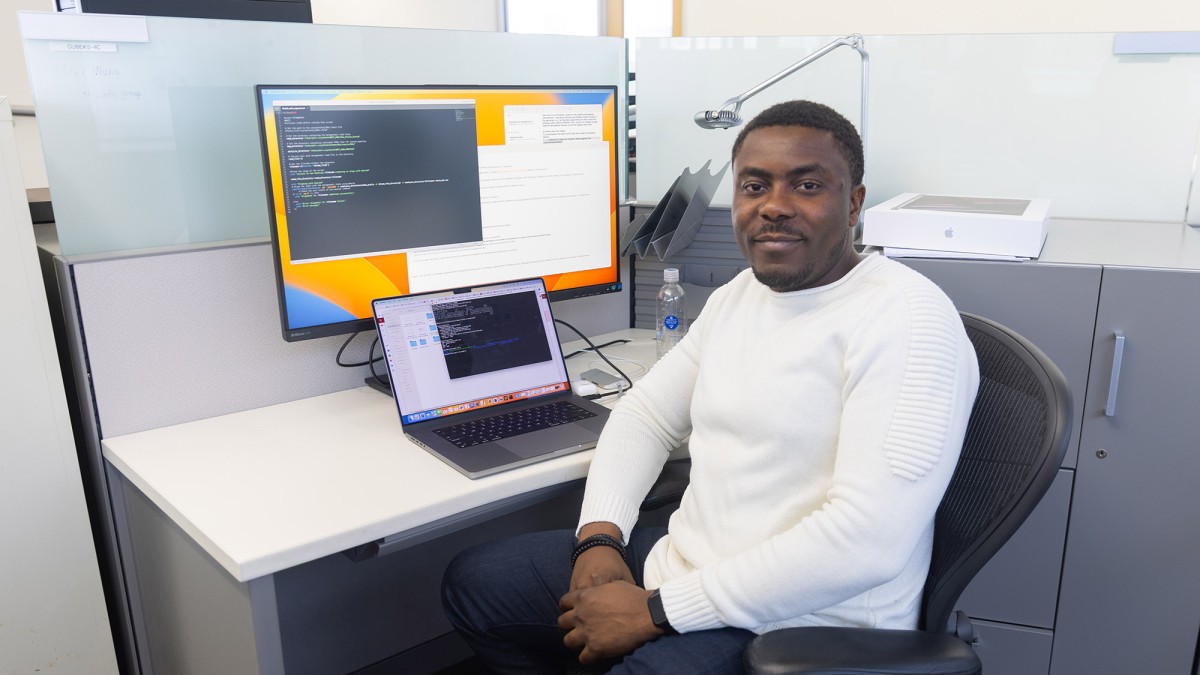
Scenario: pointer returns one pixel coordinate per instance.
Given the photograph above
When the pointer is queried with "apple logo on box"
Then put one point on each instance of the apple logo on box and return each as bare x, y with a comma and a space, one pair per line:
949, 232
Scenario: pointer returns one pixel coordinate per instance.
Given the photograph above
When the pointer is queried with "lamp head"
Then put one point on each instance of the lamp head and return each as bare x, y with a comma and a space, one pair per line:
718, 119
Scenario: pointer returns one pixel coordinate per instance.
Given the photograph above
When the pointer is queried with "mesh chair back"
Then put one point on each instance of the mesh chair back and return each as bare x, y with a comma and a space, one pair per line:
1015, 442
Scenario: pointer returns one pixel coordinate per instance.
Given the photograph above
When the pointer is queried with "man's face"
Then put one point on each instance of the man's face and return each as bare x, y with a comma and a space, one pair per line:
794, 207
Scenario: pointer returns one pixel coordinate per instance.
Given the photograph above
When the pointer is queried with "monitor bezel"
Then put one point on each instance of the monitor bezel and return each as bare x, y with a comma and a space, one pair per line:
358, 325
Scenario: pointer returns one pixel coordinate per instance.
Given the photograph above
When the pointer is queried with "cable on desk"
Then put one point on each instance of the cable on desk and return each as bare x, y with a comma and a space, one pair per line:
592, 348
596, 349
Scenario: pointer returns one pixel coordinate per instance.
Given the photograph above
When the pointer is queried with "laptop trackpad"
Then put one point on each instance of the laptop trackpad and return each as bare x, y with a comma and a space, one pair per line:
567, 436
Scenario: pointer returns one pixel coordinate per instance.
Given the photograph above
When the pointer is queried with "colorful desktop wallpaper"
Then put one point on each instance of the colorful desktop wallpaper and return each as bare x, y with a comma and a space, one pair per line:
337, 291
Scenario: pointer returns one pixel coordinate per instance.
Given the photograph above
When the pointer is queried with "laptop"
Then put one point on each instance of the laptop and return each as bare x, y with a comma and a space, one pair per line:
479, 379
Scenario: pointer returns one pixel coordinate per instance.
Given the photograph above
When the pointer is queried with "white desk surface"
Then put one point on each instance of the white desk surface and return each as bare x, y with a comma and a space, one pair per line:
267, 489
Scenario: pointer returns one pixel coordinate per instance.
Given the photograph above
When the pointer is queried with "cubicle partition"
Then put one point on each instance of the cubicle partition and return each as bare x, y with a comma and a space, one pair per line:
148, 123
1071, 118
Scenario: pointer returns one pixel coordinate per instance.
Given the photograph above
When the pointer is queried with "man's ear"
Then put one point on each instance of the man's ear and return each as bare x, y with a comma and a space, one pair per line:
857, 195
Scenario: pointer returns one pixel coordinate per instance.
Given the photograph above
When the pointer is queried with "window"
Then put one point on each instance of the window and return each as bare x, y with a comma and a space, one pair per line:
576, 17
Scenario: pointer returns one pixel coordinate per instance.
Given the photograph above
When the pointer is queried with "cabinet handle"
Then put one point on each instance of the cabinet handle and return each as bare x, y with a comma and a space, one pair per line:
1118, 353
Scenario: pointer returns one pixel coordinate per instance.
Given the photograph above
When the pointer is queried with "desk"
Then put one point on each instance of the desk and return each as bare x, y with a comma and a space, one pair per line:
236, 527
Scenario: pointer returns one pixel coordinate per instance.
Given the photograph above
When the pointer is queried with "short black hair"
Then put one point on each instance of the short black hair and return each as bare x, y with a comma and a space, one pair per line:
814, 116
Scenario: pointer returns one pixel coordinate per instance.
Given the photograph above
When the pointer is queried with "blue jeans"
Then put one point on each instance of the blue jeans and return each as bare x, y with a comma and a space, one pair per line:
502, 597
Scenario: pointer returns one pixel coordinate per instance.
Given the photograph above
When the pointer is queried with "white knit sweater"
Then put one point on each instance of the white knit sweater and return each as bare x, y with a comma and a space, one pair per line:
824, 427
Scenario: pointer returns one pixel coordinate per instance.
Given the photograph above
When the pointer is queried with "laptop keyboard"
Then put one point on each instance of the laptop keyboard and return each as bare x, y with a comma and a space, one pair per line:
511, 424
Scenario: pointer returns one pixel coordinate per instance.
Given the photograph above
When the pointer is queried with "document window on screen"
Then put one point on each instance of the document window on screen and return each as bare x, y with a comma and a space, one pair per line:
553, 166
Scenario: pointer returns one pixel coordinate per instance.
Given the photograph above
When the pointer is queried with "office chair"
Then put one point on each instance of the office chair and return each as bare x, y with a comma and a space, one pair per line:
1015, 442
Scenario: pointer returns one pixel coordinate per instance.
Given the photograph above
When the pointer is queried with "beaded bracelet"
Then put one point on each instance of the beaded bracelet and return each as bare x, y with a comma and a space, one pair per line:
598, 540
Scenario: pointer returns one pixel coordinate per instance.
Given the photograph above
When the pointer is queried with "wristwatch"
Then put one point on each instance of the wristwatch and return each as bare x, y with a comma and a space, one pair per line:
659, 615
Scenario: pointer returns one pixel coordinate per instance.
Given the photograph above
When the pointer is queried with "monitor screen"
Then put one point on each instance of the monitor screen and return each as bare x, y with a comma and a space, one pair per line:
376, 191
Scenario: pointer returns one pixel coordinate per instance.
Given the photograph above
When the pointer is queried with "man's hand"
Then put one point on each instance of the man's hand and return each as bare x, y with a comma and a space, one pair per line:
601, 564
606, 621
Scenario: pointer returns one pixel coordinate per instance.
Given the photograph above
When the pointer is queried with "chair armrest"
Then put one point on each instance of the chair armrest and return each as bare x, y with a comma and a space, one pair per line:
863, 651
669, 487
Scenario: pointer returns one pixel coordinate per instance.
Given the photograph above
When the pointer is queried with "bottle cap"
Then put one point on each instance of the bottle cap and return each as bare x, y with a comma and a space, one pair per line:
671, 275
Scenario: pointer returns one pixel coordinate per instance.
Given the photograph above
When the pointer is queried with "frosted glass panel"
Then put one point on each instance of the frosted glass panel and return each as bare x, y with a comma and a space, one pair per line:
1054, 116
155, 143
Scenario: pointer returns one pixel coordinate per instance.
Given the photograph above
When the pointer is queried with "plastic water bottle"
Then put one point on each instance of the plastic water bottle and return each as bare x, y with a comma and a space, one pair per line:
671, 313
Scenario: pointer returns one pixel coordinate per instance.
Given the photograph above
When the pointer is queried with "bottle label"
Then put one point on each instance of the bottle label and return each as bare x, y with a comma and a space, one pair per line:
671, 321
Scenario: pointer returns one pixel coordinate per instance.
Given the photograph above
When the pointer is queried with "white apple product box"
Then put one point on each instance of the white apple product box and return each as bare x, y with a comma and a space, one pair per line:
984, 225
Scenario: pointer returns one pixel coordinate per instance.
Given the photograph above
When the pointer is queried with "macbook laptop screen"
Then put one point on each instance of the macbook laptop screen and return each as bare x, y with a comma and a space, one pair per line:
450, 353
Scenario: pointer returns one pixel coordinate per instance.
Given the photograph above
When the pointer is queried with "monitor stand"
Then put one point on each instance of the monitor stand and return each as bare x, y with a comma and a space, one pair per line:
380, 384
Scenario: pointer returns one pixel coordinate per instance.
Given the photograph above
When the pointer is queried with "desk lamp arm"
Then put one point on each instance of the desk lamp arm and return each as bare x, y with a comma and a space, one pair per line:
854, 40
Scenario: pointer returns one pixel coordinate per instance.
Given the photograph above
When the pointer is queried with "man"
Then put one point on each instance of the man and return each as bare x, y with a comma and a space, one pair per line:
825, 394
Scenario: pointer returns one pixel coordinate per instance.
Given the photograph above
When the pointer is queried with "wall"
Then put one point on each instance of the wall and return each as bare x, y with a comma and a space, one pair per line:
14, 83
52, 612
451, 14
785, 17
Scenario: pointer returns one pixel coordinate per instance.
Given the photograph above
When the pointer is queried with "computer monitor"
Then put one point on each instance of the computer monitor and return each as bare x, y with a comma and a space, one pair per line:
376, 191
